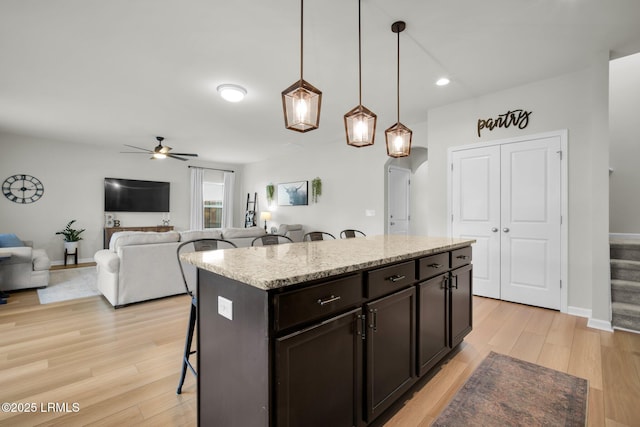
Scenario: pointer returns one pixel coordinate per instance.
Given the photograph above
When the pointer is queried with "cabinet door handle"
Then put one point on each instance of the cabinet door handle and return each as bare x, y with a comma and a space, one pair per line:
506, 229
445, 283
435, 265
456, 282
329, 300
396, 278
494, 229
374, 319
462, 257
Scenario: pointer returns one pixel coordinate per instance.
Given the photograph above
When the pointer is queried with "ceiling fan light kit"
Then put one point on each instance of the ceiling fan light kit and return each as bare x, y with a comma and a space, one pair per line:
301, 101
160, 151
360, 122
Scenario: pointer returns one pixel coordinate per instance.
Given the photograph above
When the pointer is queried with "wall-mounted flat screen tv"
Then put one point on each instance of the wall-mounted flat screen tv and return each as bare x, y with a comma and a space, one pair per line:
130, 195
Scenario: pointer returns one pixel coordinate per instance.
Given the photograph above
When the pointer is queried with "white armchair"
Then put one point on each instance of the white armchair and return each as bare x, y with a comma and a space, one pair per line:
293, 231
27, 267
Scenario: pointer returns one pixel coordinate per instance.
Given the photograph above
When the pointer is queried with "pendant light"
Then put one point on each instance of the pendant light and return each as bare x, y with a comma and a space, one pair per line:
360, 123
301, 101
398, 136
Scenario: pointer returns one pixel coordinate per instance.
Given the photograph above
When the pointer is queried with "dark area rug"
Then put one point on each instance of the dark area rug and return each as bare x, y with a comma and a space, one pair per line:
504, 391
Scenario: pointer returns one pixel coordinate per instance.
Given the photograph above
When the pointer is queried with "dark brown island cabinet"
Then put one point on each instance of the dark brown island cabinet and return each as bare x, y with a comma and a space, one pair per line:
333, 351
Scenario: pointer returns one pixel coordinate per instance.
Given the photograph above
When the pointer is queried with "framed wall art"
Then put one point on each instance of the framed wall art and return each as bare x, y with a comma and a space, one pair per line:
293, 193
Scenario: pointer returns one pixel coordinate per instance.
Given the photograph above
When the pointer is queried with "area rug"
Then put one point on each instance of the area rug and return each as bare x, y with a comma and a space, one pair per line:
69, 284
504, 391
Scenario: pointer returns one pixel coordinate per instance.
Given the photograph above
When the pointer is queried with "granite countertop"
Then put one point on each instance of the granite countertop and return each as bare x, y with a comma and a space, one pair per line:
271, 267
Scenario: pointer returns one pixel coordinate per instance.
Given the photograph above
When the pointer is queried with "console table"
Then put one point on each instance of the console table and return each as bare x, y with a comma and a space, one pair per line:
3, 257
108, 231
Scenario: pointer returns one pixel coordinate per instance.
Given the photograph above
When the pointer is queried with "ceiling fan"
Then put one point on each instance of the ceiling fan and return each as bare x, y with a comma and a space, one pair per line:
160, 151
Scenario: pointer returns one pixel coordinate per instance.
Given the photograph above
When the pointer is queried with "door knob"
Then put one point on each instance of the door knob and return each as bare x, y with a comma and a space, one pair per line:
494, 229
506, 230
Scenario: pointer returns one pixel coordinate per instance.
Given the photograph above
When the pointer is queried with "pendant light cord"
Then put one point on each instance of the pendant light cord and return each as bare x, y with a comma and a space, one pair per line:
398, 81
301, 35
359, 56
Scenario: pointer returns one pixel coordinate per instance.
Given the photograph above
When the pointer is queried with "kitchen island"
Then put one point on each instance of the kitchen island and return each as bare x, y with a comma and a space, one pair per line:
325, 333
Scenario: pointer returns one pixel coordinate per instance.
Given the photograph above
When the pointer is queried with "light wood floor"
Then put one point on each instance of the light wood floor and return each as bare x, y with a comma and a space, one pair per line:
121, 366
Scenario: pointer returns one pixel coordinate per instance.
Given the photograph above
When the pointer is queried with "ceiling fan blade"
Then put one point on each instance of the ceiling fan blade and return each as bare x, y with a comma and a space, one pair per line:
185, 154
138, 148
173, 156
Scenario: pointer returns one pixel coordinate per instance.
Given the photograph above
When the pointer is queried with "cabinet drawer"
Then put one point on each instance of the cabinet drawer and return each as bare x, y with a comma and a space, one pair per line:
385, 280
316, 302
461, 257
433, 265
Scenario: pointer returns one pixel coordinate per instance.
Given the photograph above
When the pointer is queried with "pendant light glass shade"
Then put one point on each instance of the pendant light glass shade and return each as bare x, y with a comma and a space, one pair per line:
301, 101
398, 136
360, 122
360, 125
398, 140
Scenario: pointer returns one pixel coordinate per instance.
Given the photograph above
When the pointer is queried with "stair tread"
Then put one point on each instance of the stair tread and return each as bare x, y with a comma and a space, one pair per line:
628, 262
618, 307
625, 283
631, 243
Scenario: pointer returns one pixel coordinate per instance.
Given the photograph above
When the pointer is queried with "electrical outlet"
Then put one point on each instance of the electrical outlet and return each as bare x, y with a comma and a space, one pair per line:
225, 308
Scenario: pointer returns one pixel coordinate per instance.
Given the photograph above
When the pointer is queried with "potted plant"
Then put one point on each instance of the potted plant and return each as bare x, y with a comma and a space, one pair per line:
271, 189
316, 189
71, 237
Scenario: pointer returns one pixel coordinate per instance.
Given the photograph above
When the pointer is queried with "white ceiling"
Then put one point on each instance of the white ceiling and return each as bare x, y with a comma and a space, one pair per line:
123, 71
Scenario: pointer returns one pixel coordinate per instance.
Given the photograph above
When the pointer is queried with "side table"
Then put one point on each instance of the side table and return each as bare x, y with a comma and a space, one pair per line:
3, 295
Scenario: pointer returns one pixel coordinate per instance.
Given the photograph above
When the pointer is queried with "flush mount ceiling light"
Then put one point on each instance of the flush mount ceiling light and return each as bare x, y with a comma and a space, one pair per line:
232, 93
360, 123
301, 101
398, 136
443, 81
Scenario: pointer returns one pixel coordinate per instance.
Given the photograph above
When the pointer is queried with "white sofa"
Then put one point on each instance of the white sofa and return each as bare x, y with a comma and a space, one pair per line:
27, 268
140, 266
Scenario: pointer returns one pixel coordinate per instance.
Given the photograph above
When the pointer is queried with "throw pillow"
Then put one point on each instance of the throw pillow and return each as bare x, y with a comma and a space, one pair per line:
10, 241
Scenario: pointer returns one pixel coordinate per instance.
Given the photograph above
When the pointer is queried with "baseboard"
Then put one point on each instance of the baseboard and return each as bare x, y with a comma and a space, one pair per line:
602, 325
80, 261
617, 328
579, 311
624, 236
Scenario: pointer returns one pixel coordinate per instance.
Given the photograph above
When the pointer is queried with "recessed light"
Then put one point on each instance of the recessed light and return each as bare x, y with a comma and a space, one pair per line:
232, 93
443, 81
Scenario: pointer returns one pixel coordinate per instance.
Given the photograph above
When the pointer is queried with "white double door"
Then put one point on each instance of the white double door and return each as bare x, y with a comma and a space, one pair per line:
508, 198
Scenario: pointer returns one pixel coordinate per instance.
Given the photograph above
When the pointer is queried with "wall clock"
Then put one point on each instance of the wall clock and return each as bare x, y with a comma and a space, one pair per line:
22, 188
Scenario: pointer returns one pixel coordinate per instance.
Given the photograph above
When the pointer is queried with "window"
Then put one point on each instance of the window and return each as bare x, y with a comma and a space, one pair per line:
212, 196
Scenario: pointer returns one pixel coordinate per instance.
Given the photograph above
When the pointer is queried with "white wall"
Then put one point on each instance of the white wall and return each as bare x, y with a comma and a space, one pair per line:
73, 178
575, 102
352, 182
624, 209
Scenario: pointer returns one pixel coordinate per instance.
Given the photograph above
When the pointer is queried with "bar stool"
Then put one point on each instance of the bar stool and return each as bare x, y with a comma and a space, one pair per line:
194, 246
350, 233
270, 239
317, 235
